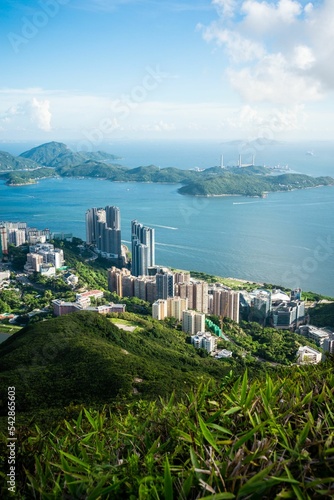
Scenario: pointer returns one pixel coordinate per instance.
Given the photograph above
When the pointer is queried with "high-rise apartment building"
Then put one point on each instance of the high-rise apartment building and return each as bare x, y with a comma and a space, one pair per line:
196, 292
165, 285
12, 233
226, 303
115, 280
103, 229
176, 306
4, 240
159, 309
193, 322
143, 248
181, 277
121, 282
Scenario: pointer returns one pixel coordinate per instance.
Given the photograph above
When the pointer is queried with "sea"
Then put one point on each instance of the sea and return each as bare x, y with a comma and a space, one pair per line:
286, 239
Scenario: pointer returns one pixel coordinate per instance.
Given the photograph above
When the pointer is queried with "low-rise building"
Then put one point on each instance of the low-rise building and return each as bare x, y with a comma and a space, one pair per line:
61, 307
47, 270
328, 345
224, 353
204, 340
317, 335
4, 275
71, 279
308, 355
288, 315
85, 298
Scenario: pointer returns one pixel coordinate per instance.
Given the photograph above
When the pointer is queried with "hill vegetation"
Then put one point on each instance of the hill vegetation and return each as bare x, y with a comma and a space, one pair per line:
270, 436
28, 176
322, 315
57, 154
214, 181
83, 358
251, 185
10, 162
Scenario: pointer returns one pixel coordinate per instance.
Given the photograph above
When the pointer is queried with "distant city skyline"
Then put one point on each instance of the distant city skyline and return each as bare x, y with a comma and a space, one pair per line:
92, 71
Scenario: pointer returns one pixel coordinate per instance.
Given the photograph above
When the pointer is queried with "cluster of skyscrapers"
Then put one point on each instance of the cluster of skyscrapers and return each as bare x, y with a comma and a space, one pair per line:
103, 230
17, 233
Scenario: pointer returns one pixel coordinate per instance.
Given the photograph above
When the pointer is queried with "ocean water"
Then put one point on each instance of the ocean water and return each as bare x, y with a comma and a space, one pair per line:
286, 239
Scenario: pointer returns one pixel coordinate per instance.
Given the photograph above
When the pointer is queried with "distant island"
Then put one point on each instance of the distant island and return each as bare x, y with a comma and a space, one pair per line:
55, 159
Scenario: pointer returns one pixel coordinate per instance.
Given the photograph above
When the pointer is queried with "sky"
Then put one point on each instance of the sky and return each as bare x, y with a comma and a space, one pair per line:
97, 70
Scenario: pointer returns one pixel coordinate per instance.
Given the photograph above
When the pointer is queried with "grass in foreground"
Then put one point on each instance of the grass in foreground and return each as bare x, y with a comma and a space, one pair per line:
267, 439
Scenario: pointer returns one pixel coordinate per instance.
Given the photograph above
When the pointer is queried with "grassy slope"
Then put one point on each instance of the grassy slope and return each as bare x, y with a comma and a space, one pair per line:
266, 438
85, 358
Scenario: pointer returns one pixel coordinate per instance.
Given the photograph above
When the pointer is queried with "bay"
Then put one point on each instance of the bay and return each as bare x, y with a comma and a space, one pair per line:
286, 239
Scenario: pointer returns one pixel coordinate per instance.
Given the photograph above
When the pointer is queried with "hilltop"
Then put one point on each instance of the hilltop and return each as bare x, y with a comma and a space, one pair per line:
58, 154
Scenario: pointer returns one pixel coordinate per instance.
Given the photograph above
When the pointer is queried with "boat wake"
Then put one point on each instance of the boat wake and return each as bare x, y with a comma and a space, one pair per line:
165, 227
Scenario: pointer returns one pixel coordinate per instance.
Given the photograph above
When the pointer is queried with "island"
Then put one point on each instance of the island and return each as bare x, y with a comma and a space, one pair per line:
56, 159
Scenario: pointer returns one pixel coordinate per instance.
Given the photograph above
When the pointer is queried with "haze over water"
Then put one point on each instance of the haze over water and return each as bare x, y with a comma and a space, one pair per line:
286, 239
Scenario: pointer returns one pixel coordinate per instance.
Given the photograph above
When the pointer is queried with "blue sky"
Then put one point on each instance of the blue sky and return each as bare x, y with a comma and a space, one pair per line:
93, 70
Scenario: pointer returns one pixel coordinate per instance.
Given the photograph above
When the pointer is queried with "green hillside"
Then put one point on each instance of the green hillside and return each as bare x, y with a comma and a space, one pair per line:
10, 162
29, 176
58, 154
83, 358
46, 153
90, 168
251, 184
322, 315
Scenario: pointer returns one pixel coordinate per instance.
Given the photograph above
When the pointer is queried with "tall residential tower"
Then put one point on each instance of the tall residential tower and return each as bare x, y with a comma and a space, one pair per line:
143, 248
103, 229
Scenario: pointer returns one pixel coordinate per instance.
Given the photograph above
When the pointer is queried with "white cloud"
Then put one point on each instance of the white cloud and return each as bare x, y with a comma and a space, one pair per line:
274, 119
40, 113
226, 8
303, 57
272, 80
278, 51
265, 15
33, 110
239, 48
85, 117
